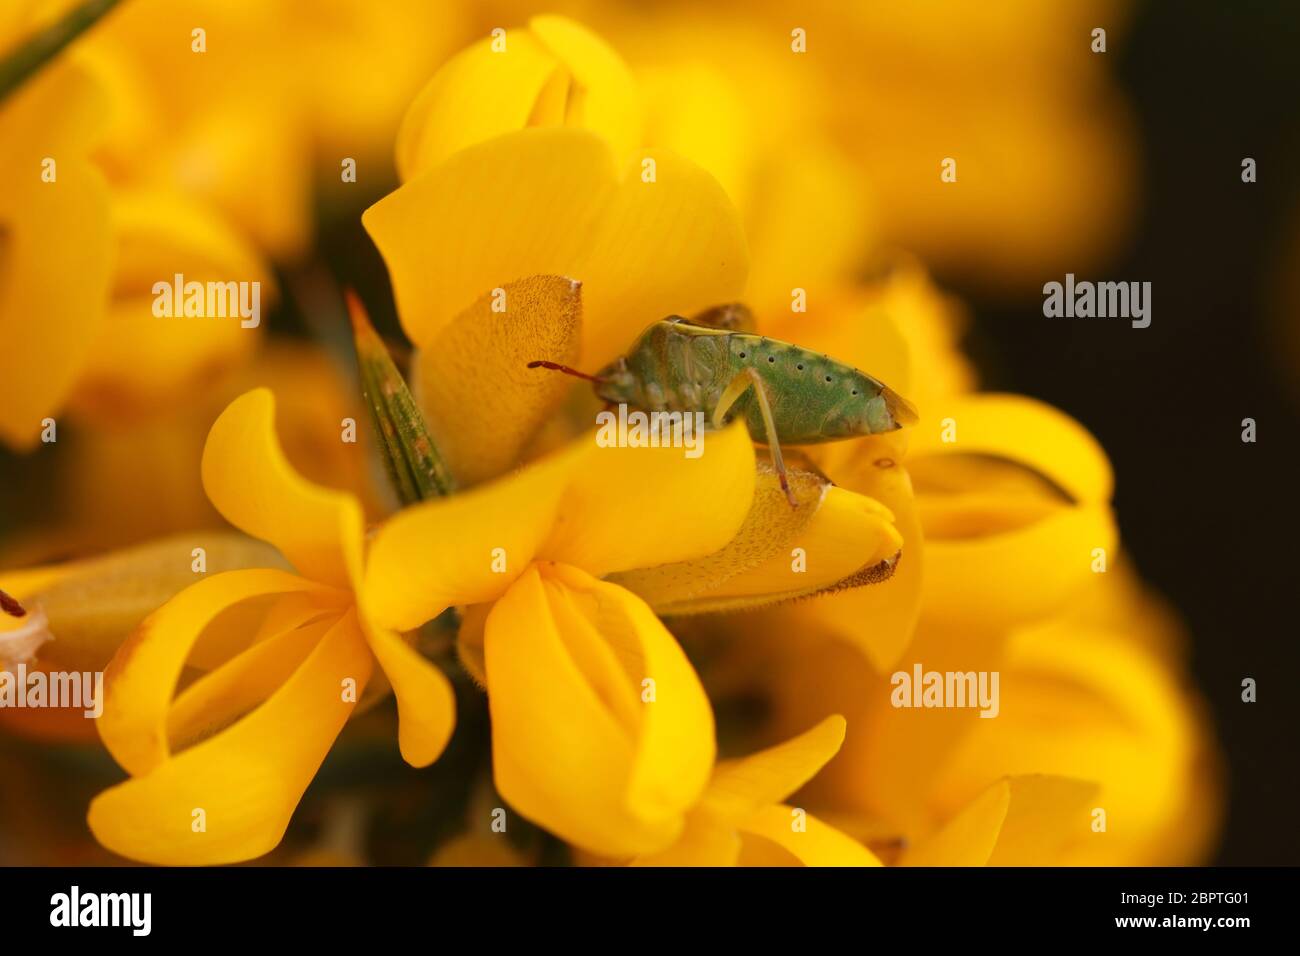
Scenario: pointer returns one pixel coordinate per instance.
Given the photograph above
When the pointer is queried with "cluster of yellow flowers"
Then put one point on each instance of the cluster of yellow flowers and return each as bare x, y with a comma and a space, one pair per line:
588, 582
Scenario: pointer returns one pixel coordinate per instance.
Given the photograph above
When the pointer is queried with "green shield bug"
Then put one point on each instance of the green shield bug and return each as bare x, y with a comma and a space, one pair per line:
713, 364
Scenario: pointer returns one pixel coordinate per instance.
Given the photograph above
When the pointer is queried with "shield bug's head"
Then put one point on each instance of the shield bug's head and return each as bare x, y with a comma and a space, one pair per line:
616, 384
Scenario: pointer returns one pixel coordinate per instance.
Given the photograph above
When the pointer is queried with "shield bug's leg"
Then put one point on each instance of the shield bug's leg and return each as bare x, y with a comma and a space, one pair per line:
730, 395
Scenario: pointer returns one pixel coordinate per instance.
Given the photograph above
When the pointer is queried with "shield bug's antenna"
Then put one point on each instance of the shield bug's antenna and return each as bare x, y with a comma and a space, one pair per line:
556, 367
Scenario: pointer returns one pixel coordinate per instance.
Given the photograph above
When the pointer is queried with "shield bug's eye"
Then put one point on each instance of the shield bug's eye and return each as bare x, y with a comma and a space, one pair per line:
799, 367
828, 378
772, 359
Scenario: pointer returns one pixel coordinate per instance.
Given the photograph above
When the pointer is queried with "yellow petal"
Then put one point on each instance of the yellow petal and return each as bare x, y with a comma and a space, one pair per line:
845, 544
601, 93
252, 484
834, 539
637, 507
879, 619
558, 202
967, 839
465, 549
769, 528
426, 707
1026, 431
742, 787
140, 680
577, 744
481, 400
1018, 821
248, 779
552, 73
55, 248
1016, 576
816, 844
227, 693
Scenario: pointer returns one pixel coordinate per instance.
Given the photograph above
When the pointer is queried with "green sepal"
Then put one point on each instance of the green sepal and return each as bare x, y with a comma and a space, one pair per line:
412, 460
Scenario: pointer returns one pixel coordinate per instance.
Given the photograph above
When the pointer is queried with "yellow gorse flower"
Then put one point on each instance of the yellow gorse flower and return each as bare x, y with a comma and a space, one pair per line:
575, 744
238, 746
600, 729
94, 344
488, 153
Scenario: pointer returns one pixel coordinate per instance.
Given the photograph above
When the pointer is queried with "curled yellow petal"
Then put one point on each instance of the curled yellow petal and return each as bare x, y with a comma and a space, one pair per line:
880, 619
601, 731
426, 707
742, 787
1015, 506
833, 539
243, 784
1020, 575
1025, 431
140, 680
551, 73
237, 686
250, 481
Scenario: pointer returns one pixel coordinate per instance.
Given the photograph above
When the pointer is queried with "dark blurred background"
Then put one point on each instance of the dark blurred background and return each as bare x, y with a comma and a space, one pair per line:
1211, 522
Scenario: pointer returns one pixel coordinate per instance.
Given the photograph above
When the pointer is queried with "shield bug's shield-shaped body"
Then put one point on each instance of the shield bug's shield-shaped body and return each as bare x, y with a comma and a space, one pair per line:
784, 393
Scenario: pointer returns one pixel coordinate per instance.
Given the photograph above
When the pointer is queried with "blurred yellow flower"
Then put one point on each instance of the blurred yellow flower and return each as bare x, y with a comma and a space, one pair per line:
869, 110
99, 497
55, 245
1089, 720
86, 260
237, 105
